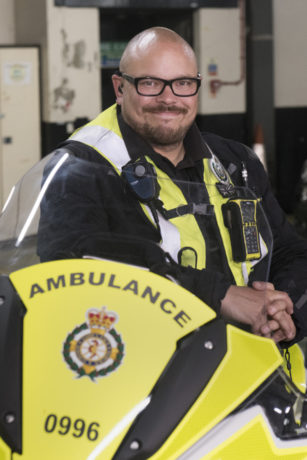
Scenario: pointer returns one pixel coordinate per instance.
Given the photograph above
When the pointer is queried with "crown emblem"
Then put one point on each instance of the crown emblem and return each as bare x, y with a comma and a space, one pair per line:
94, 348
101, 319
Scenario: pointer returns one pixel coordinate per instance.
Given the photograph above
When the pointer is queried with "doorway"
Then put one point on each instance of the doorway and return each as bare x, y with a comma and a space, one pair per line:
118, 26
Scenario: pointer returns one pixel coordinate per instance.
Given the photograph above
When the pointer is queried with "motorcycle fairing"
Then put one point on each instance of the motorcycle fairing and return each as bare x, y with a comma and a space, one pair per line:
155, 318
11, 334
245, 435
188, 372
57, 299
5, 451
61, 304
248, 362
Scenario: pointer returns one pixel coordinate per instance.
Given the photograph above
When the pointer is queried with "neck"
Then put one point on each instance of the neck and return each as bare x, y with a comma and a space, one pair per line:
174, 153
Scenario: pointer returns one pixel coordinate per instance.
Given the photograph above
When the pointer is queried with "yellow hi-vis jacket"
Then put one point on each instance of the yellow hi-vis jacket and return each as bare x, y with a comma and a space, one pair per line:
182, 231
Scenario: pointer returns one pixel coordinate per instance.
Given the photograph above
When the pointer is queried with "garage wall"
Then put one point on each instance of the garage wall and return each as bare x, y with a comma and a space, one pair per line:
7, 22
290, 53
290, 63
69, 42
217, 43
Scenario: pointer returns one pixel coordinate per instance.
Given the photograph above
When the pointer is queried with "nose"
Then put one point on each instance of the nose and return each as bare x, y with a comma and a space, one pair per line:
167, 93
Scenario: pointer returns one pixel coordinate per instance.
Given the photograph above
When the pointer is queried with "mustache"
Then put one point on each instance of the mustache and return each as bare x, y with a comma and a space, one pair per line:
165, 108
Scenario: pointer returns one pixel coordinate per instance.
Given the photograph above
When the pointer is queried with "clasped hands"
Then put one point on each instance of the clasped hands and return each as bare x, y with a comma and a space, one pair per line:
265, 309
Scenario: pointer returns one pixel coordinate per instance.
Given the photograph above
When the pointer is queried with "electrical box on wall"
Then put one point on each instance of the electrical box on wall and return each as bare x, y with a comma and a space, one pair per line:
20, 138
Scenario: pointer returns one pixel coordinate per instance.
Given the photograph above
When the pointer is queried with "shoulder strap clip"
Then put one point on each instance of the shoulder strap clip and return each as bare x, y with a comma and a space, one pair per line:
203, 209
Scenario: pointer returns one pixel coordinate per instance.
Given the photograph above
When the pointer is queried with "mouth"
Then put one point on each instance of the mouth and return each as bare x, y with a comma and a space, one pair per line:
166, 114
168, 111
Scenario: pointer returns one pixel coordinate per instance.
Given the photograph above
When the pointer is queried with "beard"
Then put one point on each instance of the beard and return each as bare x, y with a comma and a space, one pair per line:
161, 134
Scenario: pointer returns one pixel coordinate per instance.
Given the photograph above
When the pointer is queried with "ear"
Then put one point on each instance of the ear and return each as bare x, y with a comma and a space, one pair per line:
117, 85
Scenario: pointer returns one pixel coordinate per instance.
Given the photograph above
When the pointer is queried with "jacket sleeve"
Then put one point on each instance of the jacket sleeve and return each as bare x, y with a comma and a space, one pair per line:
87, 210
70, 210
289, 260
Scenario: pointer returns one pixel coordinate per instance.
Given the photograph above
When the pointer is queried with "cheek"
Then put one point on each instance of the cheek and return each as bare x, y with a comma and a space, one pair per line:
194, 106
192, 111
132, 107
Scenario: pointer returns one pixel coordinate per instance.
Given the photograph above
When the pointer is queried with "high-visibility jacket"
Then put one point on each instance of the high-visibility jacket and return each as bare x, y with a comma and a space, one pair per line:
83, 208
180, 231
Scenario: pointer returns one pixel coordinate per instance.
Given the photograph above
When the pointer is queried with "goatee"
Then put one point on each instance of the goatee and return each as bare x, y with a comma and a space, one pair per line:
162, 134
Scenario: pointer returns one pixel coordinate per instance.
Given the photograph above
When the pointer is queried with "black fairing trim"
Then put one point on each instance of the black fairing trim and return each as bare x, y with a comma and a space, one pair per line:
12, 312
187, 374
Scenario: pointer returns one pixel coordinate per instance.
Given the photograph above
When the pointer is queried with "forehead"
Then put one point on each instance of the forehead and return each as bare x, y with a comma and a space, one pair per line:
163, 59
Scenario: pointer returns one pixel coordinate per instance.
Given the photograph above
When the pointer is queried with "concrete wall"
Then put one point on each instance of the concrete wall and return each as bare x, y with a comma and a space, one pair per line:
217, 44
69, 41
290, 53
7, 22
73, 61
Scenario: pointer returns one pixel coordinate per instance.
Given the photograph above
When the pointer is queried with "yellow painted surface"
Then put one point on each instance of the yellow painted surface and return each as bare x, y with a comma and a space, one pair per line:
68, 413
254, 442
5, 452
248, 362
58, 296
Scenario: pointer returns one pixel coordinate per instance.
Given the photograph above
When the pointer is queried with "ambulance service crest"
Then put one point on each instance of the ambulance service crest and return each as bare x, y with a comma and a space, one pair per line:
94, 348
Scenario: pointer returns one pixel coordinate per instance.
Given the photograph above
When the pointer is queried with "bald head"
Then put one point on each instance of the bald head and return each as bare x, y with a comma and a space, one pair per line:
162, 116
144, 42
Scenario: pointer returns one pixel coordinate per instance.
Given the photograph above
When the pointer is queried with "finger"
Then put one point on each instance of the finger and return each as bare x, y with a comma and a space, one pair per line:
286, 325
262, 326
263, 286
278, 336
269, 327
278, 301
272, 295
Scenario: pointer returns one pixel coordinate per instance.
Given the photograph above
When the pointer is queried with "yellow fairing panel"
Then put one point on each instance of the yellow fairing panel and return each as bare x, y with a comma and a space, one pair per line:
5, 452
255, 442
79, 378
248, 362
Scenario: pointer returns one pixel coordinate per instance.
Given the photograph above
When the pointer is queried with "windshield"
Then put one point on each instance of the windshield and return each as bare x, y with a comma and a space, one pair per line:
67, 207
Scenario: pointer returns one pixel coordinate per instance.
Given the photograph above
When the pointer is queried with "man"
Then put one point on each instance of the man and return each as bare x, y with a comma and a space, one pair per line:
152, 128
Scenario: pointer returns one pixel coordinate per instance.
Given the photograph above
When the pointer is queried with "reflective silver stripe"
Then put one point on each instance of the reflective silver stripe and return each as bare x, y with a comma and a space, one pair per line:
302, 300
263, 249
212, 154
170, 235
245, 272
104, 141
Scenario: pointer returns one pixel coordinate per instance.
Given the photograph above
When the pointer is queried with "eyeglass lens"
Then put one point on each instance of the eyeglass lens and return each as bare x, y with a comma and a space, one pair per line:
154, 86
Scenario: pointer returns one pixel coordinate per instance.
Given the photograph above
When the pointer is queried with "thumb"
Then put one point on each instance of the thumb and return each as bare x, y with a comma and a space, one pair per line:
263, 286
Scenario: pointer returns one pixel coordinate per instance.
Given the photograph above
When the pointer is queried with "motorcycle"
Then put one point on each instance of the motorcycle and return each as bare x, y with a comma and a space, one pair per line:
103, 359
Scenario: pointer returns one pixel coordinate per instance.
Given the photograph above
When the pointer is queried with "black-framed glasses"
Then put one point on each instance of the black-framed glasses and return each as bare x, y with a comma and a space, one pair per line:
152, 86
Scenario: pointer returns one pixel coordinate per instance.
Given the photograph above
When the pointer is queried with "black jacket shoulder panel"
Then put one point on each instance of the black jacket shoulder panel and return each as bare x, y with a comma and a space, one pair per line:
83, 151
228, 150
233, 154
